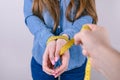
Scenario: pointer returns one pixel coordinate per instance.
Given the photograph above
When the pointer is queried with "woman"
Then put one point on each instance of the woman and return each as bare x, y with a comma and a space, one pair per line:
46, 18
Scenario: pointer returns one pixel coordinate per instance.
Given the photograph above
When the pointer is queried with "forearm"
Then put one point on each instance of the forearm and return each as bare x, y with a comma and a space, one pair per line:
108, 62
76, 26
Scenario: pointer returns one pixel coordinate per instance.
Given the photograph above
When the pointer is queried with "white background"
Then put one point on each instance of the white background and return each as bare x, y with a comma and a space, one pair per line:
16, 40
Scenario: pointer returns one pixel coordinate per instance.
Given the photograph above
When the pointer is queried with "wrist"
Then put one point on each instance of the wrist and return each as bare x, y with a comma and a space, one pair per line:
55, 38
65, 39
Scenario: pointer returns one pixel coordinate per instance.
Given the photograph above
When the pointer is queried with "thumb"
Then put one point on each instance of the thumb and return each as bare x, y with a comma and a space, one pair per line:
77, 38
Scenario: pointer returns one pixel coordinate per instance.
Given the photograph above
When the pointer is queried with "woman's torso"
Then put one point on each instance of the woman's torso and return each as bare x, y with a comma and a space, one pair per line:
76, 57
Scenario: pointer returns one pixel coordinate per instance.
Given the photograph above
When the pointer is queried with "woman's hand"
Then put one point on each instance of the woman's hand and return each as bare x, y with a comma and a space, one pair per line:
52, 54
64, 57
63, 67
59, 45
48, 58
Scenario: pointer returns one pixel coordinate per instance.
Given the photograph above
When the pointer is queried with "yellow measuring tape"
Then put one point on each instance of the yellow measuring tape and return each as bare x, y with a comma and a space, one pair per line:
56, 37
68, 45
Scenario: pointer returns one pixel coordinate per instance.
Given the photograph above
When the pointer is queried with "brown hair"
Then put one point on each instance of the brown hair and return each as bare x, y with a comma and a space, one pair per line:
53, 7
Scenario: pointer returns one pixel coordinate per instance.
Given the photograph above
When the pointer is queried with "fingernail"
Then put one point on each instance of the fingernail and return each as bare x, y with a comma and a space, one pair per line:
56, 59
53, 62
53, 74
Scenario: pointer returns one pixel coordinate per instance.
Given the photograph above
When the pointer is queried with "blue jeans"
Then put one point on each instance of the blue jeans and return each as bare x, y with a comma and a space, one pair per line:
74, 74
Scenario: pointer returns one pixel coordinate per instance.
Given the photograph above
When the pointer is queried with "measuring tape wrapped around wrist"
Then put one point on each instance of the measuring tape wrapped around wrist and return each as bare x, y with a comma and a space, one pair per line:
68, 45
57, 37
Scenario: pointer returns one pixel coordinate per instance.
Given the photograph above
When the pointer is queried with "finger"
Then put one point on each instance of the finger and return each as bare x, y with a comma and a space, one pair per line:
57, 52
45, 64
59, 71
48, 70
45, 57
77, 38
63, 67
51, 54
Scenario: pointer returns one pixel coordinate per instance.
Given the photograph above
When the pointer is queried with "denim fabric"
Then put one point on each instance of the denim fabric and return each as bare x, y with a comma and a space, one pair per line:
74, 74
43, 30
